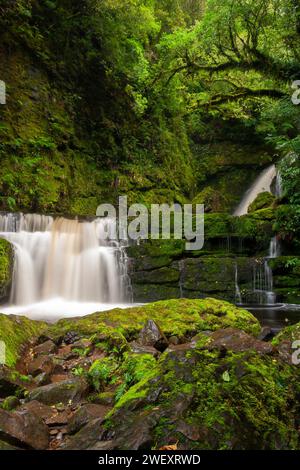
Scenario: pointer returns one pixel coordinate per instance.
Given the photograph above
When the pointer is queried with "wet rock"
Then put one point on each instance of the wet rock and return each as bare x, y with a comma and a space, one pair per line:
9, 383
84, 415
266, 334
58, 419
41, 365
48, 347
286, 351
24, 429
39, 409
231, 339
152, 335
142, 349
83, 343
62, 392
71, 337
42, 379
88, 436
181, 347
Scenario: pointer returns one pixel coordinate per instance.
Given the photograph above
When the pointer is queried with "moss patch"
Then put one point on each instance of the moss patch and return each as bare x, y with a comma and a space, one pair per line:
175, 317
16, 332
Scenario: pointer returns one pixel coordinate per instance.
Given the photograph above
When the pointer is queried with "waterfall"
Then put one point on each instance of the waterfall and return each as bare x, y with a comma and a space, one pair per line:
262, 183
238, 295
262, 272
65, 259
275, 248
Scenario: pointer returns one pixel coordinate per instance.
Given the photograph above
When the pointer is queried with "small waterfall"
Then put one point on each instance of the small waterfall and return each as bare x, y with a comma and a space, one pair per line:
275, 248
263, 283
66, 259
261, 184
238, 295
278, 185
263, 275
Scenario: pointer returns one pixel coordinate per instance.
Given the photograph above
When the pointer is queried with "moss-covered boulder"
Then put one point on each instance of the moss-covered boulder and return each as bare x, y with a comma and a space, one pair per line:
16, 332
262, 201
209, 399
6, 259
180, 317
223, 390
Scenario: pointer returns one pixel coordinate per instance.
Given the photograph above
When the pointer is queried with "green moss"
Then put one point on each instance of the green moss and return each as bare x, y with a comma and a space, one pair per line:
16, 332
175, 317
262, 201
290, 333
254, 408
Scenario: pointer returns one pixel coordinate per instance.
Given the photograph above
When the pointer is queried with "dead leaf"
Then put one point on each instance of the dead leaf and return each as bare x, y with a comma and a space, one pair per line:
170, 447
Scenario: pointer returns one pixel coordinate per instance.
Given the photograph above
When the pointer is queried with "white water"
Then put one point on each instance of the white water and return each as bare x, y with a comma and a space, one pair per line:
261, 184
238, 294
63, 267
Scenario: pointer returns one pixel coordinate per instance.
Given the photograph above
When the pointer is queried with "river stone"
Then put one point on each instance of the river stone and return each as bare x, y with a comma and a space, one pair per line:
40, 365
151, 335
39, 409
61, 392
87, 437
238, 341
48, 347
24, 428
84, 415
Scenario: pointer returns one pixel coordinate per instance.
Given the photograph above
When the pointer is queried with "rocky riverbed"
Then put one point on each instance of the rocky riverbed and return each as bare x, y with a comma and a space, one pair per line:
193, 374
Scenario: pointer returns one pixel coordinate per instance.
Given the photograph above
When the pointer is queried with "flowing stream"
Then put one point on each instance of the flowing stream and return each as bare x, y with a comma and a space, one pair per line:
64, 267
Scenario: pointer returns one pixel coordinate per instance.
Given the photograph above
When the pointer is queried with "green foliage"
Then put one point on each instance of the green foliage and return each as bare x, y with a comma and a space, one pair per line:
101, 372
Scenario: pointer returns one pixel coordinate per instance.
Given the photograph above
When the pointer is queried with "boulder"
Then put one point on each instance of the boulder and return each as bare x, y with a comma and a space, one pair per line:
24, 429
231, 339
48, 347
88, 436
84, 415
61, 392
39, 409
244, 399
152, 335
40, 365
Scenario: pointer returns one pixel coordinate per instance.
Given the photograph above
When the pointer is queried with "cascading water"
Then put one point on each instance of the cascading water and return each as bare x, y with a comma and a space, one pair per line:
262, 183
262, 272
238, 295
67, 264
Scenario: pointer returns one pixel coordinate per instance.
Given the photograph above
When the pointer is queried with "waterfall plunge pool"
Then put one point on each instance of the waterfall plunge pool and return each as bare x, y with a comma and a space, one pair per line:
276, 316
55, 309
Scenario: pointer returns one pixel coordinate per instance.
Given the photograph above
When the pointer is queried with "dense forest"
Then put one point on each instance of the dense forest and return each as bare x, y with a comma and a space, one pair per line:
167, 101
163, 101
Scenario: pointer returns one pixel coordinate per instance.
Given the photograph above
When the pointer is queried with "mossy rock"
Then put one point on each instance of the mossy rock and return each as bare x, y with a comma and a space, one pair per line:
213, 200
207, 275
154, 292
6, 261
242, 400
175, 317
290, 333
16, 332
262, 201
